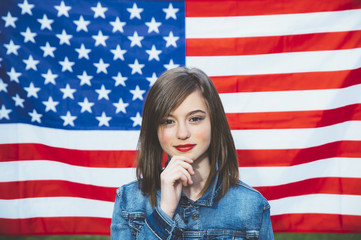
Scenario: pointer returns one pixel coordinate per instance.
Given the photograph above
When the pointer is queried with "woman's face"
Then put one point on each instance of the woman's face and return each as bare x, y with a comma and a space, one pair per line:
187, 129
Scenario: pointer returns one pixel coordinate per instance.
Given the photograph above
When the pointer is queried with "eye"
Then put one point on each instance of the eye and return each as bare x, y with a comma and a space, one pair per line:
196, 119
167, 122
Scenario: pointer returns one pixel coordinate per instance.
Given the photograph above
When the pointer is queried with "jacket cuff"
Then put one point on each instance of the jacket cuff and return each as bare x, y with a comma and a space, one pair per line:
161, 225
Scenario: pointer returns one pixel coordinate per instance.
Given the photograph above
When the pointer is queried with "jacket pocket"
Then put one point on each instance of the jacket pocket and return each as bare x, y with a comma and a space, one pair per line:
136, 221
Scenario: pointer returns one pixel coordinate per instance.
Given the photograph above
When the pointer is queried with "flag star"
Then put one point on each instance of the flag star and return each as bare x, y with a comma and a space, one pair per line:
28, 35
48, 50
120, 106
31, 63
135, 11
83, 52
50, 105
103, 93
171, 40
10, 20
26, 7
137, 93
101, 66
81, 24
35, 116
64, 38
153, 53
49, 77
153, 25
3, 86
137, 120
18, 101
84, 79
99, 11
68, 92
152, 79
100, 39
12, 48
45, 22
170, 12
171, 65
63, 9
32, 90
119, 79
118, 53
86, 106
135, 40
14, 76
68, 119
103, 120
117, 25
66, 65
136, 67
4, 113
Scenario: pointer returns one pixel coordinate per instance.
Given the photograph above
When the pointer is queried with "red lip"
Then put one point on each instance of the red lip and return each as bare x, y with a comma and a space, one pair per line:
185, 147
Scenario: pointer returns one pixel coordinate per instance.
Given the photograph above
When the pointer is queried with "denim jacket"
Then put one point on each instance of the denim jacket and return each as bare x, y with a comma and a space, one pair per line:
242, 213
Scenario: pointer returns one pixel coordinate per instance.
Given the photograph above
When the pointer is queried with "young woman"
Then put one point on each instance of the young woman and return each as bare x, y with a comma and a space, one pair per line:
198, 195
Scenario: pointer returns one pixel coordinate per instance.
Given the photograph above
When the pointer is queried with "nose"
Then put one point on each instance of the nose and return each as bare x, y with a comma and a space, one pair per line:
183, 131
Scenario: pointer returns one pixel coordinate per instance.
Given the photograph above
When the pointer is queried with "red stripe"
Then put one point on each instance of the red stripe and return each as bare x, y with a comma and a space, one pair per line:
273, 44
298, 119
209, 8
331, 223
291, 157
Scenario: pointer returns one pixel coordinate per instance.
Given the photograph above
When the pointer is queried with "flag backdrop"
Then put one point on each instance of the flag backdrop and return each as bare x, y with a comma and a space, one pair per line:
74, 75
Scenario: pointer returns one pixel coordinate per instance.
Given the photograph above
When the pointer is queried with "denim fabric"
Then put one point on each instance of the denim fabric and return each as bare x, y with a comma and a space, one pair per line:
243, 213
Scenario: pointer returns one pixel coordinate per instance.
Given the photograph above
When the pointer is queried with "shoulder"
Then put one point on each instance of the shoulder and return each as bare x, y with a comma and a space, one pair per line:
131, 198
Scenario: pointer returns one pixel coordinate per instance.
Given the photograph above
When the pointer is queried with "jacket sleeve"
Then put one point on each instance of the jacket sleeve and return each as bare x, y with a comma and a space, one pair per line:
266, 232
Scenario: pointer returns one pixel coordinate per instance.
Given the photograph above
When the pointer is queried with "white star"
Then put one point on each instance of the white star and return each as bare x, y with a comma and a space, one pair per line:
4, 113
100, 39
32, 90
64, 38
48, 50
35, 116
84, 79
135, 40
103, 93
14, 76
28, 35
12, 48
50, 105
120, 106
3, 86
137, 93
117, 25
170, 11
45, 22
63, 9
10, 20
152, 79
31, 63
153, 53
171, 65
83, 52
66, 65
101, 66
68, 119
137, 120
81, 24
18, 101
68, 92
49, 77
86, 106
135, 11
171, 40
119, 79
99, 11
153, 26
136, 67
103, 120
118, 53
26, 7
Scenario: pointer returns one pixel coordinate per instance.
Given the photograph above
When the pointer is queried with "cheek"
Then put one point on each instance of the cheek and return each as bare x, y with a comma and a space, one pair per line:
164, 136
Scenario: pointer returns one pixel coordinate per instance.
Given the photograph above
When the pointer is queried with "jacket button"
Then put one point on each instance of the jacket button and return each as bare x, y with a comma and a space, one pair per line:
195, 216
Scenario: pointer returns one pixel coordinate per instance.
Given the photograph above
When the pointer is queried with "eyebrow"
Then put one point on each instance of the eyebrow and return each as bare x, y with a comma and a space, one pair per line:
191, 113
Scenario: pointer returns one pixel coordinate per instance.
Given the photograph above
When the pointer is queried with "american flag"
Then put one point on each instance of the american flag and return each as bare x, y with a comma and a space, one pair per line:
74, 75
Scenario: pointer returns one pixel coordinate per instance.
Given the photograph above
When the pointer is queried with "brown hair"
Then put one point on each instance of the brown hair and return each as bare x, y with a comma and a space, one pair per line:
167, 93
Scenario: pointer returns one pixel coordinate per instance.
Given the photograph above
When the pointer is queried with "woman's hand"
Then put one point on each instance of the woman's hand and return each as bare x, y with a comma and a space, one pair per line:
177, 174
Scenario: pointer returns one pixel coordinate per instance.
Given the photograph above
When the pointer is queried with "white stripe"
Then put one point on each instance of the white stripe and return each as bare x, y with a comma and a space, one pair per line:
294, 62
55, 207
279, 101
273, 176
273, 25
318, 203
